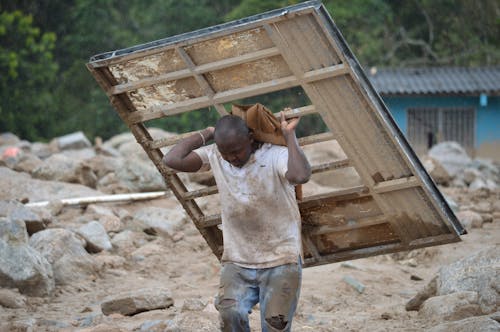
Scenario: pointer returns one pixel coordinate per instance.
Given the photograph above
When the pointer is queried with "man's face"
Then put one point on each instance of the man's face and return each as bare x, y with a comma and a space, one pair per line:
237, 150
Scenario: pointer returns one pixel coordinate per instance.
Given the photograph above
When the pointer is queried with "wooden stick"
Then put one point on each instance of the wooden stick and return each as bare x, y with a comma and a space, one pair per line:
102, 199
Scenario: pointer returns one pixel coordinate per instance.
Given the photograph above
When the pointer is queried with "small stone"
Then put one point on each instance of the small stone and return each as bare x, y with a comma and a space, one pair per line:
386, 316
415, 277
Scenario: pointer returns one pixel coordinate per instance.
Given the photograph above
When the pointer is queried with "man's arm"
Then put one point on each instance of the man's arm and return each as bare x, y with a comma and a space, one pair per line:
182, 158
299, 169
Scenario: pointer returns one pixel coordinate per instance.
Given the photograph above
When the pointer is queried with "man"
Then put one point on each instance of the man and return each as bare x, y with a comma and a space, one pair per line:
261, 222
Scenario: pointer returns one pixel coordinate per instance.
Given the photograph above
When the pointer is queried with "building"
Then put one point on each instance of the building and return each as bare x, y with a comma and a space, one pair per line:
431, 105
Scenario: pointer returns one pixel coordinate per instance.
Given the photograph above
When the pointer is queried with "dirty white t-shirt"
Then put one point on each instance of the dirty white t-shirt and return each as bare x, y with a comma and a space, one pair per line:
260, 217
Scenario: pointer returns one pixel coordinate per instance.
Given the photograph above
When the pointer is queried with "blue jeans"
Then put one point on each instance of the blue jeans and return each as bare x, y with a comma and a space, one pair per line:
277, 290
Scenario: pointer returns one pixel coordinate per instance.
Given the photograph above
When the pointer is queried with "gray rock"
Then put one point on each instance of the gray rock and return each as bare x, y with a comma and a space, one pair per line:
17, 211
480, 183
131, 303
10, 298
160, 220
57, 167
472, 324
76, 140
453, 306
451, 156
470, 219
478, 273
140, 176
193, 305
27, 162
13, 231
8, 139
96, 237
25, 268
66, 253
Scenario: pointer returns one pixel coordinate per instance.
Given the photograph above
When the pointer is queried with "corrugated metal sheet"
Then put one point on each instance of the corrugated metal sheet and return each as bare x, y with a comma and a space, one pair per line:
394, 206
436, 80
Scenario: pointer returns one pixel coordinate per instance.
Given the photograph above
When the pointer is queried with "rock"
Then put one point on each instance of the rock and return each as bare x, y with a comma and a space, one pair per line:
103, 327
436, 171
482, 207
57, 167
453, 306
25, 268
66, 253
193, 305
27, 162
76, 140
470, 175
17, 211
479, 184
26, 325
140, 176
8, 139
470, 219
160, 220
477, 273
19, 186
10, 298
195, 321
451, 156
131, 303
429, 290
111, 223
128, 240
13, 231
95, 235
43, 150
358, 286
482, 323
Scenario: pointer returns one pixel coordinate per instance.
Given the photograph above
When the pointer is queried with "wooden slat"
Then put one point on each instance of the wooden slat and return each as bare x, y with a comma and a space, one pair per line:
200, 193
396, 184
323, 73
355, 224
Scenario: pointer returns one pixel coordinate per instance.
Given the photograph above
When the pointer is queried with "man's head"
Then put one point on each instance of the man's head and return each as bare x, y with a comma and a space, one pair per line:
234, 140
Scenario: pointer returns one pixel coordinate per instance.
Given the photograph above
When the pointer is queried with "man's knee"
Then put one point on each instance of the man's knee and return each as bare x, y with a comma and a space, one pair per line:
229, 309
277, 322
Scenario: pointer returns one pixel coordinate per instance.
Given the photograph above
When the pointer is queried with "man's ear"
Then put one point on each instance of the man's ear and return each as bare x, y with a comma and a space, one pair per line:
250, 135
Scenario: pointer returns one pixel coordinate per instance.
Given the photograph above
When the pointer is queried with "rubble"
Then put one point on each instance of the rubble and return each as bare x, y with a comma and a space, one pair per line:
71, 266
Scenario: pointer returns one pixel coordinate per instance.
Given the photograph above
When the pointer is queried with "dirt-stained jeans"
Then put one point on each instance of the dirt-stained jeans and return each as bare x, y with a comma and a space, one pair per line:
277, 290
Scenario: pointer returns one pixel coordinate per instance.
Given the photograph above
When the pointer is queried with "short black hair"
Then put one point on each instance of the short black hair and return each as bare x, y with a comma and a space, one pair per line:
230, 126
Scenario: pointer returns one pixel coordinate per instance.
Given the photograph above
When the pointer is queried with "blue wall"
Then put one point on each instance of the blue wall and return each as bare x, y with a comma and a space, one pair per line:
487, 117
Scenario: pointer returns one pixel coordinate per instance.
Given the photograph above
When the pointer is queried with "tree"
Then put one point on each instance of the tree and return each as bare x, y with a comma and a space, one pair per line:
28, 76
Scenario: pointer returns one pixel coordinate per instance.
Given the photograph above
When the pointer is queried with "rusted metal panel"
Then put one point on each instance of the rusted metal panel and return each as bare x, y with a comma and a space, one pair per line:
392, 203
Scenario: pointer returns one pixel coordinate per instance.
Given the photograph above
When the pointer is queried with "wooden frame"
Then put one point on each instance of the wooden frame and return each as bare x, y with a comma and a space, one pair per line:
397, 207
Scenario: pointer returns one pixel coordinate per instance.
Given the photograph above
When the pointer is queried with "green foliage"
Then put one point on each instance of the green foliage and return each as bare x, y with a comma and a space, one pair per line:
28, 74
46, 89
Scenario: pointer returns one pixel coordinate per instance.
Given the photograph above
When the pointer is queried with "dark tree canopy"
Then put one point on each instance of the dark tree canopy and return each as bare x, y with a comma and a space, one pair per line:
47, 91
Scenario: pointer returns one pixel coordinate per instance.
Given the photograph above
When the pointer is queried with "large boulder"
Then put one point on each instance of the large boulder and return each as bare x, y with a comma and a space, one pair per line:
472, 324
57, 167
155, 220
21, 266
17, 211
477, 273
95, 235
133, 302
451, 156
65, 251
76, 140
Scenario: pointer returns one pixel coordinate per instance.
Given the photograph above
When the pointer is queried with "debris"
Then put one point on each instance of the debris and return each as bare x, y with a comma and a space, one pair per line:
354, 283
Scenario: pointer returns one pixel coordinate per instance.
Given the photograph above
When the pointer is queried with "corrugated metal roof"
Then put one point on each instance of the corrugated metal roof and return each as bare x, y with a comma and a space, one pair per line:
436, 80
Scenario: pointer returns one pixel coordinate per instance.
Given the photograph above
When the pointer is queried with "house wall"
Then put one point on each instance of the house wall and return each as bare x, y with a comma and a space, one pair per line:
487, 134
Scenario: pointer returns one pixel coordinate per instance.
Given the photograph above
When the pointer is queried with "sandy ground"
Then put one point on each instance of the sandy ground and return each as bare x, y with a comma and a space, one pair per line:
189, 269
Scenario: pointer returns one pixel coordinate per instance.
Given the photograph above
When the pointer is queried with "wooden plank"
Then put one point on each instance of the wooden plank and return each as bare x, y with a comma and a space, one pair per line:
354, 224
323, 137
324, 73
201, 80
396, 184
200, 193
142, 83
